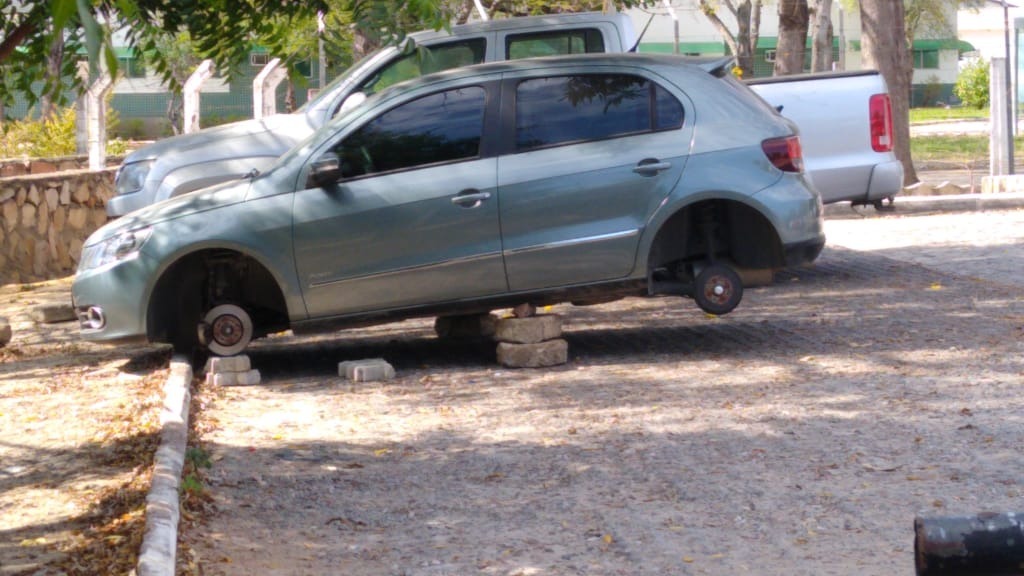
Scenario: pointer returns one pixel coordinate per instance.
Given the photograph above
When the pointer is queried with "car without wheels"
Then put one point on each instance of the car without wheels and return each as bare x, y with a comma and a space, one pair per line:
569, 179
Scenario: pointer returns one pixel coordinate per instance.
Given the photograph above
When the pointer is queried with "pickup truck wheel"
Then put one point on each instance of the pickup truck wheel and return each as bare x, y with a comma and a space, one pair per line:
718, 289
885, 204
226, 330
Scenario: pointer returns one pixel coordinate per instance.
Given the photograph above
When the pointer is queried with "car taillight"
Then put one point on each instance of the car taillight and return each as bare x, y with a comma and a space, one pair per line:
784, 153
880, 114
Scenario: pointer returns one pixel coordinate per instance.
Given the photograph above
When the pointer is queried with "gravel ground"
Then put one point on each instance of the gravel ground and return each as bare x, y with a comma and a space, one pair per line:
800, 434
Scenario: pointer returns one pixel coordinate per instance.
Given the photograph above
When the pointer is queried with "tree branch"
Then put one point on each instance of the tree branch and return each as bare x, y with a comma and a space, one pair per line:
15, 38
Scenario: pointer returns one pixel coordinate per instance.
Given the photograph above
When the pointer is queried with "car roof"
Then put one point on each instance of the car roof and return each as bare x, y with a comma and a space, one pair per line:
715, 65
552, 21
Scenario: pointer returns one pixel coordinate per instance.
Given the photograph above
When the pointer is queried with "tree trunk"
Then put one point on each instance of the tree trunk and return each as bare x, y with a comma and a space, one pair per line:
743, 42
54, 64
745, 52
792, 47
362, 44
289, 97
821, 48
884, 46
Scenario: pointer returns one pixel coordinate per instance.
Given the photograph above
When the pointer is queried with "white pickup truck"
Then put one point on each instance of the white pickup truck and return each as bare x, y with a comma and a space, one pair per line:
844, 120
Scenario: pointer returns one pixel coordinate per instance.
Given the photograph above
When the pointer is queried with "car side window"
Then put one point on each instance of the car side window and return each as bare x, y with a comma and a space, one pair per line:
427, 60
582, 41
564, 109
442, 127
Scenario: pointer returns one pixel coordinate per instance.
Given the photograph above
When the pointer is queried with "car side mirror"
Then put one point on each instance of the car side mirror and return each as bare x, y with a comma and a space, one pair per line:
353, 100
325, 171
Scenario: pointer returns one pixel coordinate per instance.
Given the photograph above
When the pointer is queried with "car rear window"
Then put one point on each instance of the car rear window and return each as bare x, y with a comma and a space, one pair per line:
583, 41
564, 109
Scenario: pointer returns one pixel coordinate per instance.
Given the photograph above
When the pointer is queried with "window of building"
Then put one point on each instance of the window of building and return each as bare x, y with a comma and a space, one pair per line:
260, 60
565, 109
442, 127
132, 67
769, 55
926, 59
553, 43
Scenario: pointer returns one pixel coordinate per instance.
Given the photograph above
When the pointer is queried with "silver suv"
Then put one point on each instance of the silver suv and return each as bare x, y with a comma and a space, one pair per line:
181, 164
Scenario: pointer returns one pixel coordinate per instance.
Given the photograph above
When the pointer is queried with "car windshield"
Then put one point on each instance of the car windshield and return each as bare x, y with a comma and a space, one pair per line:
326, 95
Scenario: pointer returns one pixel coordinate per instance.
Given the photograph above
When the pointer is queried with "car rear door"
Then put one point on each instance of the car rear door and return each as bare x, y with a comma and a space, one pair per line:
589, 158
414, 218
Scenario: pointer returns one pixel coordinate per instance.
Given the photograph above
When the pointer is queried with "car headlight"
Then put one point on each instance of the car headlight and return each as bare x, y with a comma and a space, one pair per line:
124, 246
131, 177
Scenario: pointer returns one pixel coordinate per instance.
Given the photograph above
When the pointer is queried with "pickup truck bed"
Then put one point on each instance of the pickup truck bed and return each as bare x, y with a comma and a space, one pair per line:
833, 111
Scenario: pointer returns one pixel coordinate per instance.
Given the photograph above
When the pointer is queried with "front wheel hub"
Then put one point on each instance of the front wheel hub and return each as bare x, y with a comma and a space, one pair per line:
228, 329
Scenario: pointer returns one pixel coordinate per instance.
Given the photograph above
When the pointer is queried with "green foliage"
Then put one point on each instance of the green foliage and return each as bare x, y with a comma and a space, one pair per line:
40, 138
918, 115
956, 149
972, 84
50, 138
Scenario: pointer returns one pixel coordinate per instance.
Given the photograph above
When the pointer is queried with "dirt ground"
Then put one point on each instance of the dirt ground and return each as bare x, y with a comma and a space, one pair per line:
800, 434
78, 428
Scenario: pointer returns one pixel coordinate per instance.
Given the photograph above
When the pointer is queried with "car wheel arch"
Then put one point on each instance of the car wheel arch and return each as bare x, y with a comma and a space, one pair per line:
677, 234
254, 285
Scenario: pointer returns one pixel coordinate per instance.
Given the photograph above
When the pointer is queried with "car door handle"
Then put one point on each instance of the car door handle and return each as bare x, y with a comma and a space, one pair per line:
651, 167
470, 198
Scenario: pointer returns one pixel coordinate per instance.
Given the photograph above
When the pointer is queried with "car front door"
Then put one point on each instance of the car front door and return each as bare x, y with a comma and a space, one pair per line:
592, 156
413, 218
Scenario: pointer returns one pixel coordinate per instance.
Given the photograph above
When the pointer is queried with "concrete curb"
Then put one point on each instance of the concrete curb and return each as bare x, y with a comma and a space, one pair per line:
945, 203
160, 542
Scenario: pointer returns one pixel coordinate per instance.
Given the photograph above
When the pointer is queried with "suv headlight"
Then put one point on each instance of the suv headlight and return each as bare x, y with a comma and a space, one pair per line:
131, 177
124, 246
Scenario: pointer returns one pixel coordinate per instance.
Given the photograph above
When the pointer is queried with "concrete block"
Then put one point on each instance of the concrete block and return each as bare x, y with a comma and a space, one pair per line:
538, 355
247, 378
53, 313
371, 370
238, 363
466, 327
5, 332
529, 330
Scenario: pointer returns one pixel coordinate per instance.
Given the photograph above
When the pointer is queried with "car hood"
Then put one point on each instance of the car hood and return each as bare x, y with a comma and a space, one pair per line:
271, 136
211, 198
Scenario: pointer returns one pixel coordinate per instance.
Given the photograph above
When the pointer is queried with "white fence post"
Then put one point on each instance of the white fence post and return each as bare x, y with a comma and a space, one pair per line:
191, 95
91, 117
264, 86
1000, 139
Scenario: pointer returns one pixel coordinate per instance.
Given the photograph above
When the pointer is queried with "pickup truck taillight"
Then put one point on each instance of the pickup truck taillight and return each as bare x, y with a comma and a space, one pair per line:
785, 153
880, 114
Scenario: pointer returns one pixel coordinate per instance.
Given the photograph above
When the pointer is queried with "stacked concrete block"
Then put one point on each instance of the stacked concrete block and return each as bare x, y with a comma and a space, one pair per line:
231, 371
531, 342
371, 370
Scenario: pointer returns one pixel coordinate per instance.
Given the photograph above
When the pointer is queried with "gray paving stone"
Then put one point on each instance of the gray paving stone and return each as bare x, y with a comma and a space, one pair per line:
529, 330
227, 364
247, 378
537, 355
371, 370
53, 313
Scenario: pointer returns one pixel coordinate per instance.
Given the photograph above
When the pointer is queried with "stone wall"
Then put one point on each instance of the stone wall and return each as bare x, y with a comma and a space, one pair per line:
46, 219
25, 166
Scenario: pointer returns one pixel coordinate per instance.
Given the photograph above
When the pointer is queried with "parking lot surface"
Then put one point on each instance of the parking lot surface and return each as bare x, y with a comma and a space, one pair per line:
800, 434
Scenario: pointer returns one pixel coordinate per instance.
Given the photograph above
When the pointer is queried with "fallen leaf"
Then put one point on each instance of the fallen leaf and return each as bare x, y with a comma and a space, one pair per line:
935, 286
688, 559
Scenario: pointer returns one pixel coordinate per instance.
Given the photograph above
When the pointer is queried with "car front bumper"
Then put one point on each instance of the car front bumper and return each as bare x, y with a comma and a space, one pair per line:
110, 301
